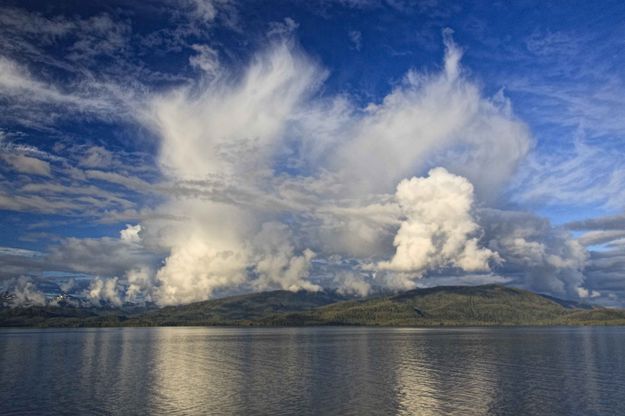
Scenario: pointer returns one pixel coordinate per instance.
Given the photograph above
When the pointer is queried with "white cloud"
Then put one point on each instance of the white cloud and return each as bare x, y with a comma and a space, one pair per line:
439, 119
276, 263
130, 234
585, 293
439, 230
140, 285
104, 290
352, 283
25, 292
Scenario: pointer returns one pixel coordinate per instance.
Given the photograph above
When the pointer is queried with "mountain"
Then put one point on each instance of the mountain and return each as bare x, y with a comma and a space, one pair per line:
237, 310
454, 306
486, 305
60, 316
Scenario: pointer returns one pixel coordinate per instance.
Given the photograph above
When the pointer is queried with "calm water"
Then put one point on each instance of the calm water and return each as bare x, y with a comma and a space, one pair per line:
336, 371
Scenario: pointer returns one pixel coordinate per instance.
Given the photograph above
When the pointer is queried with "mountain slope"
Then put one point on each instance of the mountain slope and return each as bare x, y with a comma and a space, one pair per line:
64, 316
237, 310
443, 305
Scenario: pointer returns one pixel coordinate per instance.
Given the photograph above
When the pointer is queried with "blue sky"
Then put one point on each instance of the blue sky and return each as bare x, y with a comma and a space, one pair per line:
184, 149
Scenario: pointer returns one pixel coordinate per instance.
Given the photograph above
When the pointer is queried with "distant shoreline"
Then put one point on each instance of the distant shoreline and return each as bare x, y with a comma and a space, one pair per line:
443, 306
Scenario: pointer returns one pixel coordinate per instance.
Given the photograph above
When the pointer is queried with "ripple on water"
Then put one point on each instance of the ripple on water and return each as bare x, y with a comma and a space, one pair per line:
340, 371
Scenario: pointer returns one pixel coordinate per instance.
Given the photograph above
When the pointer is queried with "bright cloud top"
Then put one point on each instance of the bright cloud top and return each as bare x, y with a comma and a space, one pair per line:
439, 230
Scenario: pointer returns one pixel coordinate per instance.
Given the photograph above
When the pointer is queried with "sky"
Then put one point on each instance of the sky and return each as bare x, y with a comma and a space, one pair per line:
179, 150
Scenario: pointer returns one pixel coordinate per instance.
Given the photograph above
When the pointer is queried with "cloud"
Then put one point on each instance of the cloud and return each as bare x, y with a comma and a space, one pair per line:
27, 164
38, 181
605, 269
17, 83
207, 59
24, 292
276, 264
228, 133
140, 285
592, 238
130, 234
199, 264
19, 262
96, 157
433, 120
39, 103
105, 256
585, 293
539, 256
575, 177
352, 283
604, 223
205, 10
282, 29
270, 172
439, 230
355, 37
104, 291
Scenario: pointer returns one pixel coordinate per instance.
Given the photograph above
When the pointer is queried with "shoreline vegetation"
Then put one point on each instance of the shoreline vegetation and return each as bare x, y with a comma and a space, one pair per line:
443, 306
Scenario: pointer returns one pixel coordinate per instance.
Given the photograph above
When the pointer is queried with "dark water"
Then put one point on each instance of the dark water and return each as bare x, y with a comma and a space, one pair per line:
335, 371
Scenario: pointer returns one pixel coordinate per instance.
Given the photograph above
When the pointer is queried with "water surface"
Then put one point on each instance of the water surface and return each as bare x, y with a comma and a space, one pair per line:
306, 371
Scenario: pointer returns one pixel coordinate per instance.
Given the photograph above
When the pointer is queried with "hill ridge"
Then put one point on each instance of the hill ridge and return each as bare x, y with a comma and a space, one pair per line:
480, 305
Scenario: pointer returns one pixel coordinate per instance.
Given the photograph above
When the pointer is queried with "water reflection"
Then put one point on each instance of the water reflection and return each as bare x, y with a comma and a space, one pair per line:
340, 371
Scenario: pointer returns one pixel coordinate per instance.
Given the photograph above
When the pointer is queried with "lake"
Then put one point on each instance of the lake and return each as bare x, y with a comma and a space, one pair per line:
306, 371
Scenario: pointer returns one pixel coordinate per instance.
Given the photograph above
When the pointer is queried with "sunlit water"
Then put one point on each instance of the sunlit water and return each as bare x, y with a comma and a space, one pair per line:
335, 371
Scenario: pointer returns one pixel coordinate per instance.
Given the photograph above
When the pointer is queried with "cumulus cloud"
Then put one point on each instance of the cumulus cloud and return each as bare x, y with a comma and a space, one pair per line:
605, 239
276, 263
439, 230
352, 283
104, 291
203, 258
140, 285
585, 293
540, 256
24, 292
130, 234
